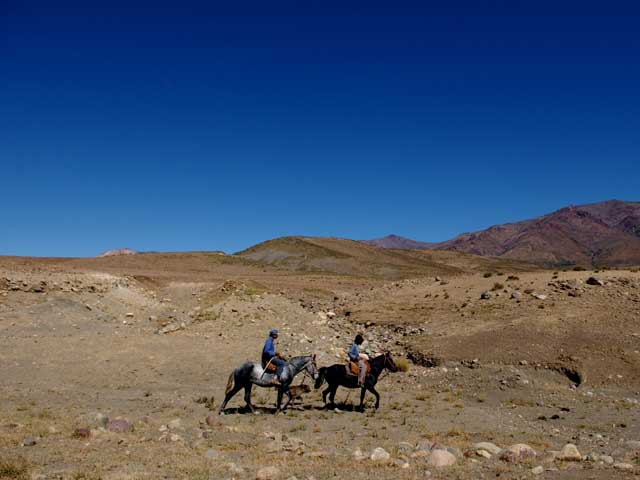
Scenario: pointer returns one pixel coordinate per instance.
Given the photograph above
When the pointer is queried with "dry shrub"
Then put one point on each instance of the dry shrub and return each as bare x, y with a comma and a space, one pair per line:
16, 469
402, 364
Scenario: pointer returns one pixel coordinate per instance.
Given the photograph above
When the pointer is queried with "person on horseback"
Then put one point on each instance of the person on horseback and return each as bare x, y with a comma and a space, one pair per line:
269, 355
357, 357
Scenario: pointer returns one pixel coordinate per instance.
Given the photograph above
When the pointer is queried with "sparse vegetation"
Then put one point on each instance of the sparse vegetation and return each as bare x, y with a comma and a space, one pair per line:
488, 275
497, 286
579, 268
14, 469
512, 278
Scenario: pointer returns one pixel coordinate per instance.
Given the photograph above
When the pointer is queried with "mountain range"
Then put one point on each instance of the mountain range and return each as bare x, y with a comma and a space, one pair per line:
599, 234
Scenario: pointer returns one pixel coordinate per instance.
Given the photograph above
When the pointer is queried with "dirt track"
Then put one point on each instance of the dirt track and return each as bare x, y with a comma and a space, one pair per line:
85, 342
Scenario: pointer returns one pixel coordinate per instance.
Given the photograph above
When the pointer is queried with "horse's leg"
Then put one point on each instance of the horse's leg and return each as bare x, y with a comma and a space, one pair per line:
325, 392
332, 395
289, 398
373, 390
247, 395
363, 391
279, 401
229, 396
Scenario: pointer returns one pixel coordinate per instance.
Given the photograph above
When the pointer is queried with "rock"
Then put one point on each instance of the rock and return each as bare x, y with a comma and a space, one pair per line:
483, 453
516, 295
129, 315
380, 455
119, 425
441, 459
424, 445
212, 421
594, 281
623, 466
485, 295
518, 452
537, 470
175, 424
331, 314
101, 420
487, 447
569, 453
633, 444
81, 433
539, 296
358, 455
268, 473
29, 442
405, 447
401, 463
607, 459
322, 315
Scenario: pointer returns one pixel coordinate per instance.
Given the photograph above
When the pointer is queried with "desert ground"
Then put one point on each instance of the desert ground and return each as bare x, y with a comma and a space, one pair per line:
114, 368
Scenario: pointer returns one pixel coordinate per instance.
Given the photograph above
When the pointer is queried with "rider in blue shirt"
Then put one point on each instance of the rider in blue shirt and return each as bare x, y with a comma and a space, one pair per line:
359, 358
269, 354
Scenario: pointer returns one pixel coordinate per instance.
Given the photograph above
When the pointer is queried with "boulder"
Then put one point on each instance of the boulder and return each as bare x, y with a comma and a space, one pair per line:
487, 447
380, 455
595, 281
517, 453
485, 295
441, 458
569, 453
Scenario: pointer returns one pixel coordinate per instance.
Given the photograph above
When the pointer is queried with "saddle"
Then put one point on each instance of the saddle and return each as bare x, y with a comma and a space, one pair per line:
270, 368
353, 369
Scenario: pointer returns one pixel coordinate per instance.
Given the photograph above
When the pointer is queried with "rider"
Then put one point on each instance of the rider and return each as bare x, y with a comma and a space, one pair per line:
359, 358
269, 354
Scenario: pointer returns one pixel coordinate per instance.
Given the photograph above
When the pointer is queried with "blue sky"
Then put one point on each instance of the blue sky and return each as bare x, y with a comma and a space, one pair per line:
198, 126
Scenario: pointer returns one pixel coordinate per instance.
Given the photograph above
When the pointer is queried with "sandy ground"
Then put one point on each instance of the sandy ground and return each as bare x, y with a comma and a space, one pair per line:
547, 360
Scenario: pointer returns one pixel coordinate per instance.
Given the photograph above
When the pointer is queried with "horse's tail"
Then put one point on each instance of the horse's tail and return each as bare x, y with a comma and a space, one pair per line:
229, 383
321, 374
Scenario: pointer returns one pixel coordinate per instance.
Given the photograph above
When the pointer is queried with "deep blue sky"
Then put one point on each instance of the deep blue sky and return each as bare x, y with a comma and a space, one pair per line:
198, 126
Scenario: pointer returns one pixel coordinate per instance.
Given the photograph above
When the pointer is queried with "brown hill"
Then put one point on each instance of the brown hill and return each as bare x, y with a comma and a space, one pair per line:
397, 242
599, 234
349, 257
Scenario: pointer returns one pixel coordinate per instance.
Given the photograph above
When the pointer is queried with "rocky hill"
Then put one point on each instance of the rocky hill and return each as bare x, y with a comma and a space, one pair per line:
397, 242
348, 257
599, 234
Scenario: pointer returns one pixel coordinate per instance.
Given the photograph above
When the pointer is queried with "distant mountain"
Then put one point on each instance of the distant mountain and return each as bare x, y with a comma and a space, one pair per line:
397, 242
120, 251
598, 234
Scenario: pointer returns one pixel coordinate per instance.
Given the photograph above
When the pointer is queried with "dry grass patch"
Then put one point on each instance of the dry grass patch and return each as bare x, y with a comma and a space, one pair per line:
16, 469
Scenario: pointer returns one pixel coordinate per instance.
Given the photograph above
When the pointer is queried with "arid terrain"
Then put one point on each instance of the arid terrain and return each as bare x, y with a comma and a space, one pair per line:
114, 367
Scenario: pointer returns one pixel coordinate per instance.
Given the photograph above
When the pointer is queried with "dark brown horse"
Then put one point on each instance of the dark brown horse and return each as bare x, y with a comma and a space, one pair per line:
336, 376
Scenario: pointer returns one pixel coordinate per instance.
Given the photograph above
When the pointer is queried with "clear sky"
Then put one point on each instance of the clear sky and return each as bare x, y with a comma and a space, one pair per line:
189, 125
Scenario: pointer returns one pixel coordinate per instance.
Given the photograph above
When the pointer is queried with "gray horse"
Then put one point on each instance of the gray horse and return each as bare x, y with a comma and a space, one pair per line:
249, 374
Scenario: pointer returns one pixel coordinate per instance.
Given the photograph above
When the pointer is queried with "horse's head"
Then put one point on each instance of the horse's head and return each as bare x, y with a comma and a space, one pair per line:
311, 367
389, 363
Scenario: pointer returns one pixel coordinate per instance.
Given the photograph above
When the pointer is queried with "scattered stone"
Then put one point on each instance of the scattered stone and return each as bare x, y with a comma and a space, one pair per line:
441, 459
539, 296
175, 424
594, 281
268, 473
81, 433
487, 447
405, 447
516, 295
483, 453
380, 455
358, 455
101, 420
537, 470
424, 445
29, 442
212, 421
119, 425
607, 459
569, 453
485, 295
129, 315
623, 466
518, 452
